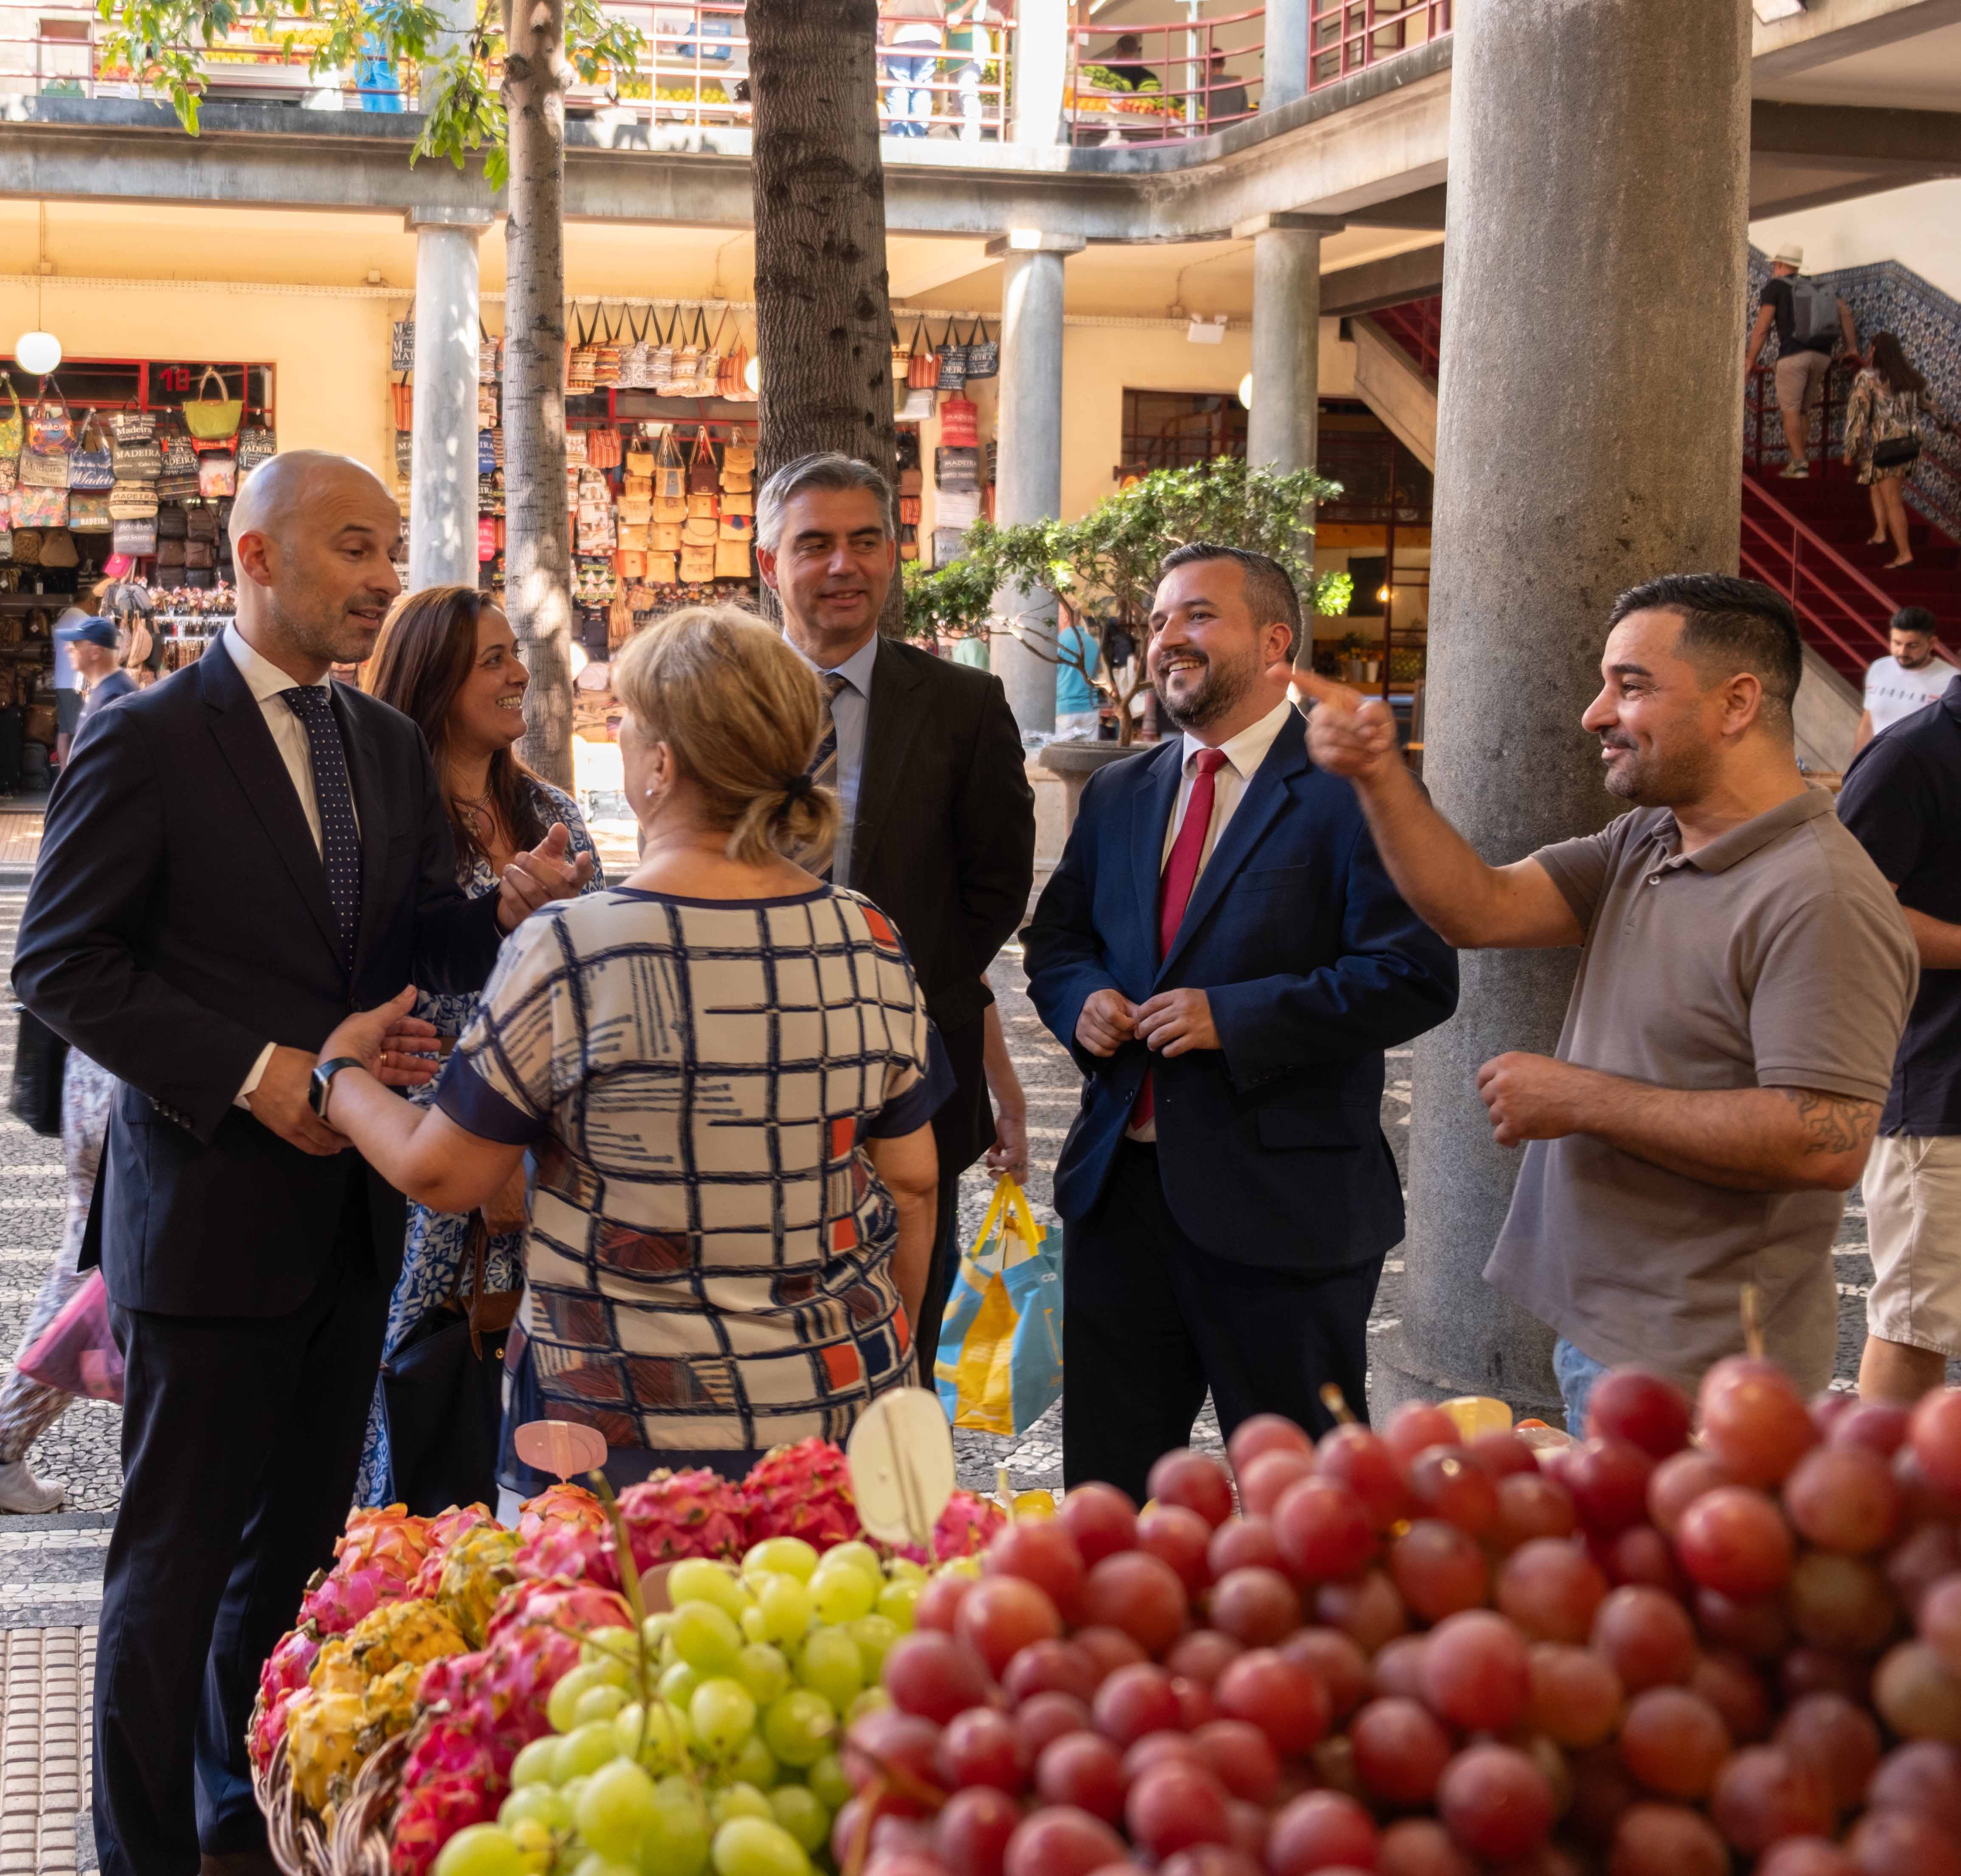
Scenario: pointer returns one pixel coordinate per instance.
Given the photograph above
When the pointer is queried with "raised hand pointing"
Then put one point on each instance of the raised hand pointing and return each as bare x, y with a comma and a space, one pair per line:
536, 877
1348, 734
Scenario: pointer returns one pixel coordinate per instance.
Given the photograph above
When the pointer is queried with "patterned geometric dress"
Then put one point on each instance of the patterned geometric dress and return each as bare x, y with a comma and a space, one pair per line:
708, 1266
433, 1254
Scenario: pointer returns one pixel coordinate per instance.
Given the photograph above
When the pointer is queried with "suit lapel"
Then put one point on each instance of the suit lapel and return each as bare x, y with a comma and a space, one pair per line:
238, 727
891, 724
1151, 808
1264, 796
371, 809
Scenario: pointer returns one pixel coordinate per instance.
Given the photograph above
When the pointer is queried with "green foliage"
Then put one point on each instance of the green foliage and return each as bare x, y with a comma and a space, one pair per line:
956, 599
1333, 591
164, 43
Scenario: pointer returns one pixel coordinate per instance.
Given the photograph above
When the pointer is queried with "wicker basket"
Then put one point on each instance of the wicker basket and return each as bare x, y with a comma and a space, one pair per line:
292, 1832
361, 1827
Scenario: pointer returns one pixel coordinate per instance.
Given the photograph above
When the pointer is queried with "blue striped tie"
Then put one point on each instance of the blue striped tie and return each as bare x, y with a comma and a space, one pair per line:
333, 794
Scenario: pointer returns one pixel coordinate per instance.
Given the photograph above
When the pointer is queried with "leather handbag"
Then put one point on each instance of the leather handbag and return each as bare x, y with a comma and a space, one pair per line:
630, 563
699, 531
664, 536
1897, 452
213, 420
633, 536
11, 429
670, 508
703, 478
738, 502
737, 481
697, 565
703, 507
731, 559
670, 476
662, 569
638, 461
200, 524
25, 546
200, 554
58, 548
740, 452
735, 528
636, 510
91, 466
442, 1393
173, 524
40, 1061
88, 514
172, 552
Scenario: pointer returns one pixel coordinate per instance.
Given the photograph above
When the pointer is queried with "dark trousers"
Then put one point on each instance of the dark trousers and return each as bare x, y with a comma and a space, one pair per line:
1150, 1321
962, 1131
241, 1437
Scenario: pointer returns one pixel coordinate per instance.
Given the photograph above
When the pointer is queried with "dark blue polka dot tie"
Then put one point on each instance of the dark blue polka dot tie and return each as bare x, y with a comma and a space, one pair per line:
333, 795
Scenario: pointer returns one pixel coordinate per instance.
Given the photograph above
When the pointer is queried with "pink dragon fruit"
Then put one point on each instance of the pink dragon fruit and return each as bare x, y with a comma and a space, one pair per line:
573, 1550
560, 1504
444, 1530
802, 1491
692, 1513
450, 1781
964, 1529
284, 1674
387, 1539
335, 1603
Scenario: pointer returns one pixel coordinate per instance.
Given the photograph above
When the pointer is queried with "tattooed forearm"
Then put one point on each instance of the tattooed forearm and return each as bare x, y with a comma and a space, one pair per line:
1833, 1123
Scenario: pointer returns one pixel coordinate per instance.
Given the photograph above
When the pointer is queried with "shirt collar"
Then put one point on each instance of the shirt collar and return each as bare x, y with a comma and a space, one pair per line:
1247, 750
263, 678
856, 670
1742, 841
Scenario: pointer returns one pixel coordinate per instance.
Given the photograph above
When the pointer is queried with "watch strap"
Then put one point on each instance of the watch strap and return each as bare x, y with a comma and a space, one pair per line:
323, 1073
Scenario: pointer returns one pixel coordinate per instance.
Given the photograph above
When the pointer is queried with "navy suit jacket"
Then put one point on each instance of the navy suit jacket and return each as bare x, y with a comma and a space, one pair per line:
178, 921
1269, 1147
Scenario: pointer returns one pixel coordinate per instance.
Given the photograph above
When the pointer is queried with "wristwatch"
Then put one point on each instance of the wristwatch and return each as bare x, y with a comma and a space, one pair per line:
323, 1079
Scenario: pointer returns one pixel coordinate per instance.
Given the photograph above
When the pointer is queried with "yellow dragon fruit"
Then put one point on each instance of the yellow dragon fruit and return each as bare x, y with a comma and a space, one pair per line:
476, 1570
325, 1744
444, 1530
390, 1705
802, 1491
414, 1632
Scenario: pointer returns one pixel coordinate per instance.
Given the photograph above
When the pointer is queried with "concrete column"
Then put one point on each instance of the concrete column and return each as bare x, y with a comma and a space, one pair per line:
443, 501
1590, 141
1286, 338
1038, 70
1029, 427
1286, 58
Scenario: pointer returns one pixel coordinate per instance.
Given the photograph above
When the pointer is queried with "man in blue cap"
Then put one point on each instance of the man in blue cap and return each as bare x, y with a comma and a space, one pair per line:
91, 645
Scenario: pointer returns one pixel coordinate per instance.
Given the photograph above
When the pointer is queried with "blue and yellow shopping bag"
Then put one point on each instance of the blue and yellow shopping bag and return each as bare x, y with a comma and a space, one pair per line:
1001, 1342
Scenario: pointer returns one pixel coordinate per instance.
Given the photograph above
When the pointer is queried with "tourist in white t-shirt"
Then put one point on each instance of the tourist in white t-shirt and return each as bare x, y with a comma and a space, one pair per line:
1911, 679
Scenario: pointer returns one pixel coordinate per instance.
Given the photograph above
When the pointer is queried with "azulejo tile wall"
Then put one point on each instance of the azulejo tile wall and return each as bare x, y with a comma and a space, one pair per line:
1885, 296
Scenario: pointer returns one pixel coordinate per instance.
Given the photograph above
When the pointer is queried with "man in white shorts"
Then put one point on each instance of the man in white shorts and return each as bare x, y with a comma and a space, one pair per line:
1903, 801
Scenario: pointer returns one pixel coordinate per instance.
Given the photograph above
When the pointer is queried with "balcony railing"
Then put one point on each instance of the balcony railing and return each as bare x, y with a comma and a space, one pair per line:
1165, 82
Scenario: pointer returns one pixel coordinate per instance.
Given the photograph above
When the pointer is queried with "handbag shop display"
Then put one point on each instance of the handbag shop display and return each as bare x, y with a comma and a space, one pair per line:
133, 457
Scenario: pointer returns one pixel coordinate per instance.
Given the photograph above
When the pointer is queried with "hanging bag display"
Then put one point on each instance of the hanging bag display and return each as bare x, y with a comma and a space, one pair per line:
697, 565
257, 445
734, 366
402, 401
487, 354
44, 462
606, 354
687, 357
136, 537
92, 466
88, 514
581, 360
661, 358
731, 559
217, 476
984, 354
708, 371
670, 474
740, 452
636, 355
639, 458
952, 360
137, 462
31, 507
703, 477
12, 431
401, 346
902, 357
923, 372
213, 420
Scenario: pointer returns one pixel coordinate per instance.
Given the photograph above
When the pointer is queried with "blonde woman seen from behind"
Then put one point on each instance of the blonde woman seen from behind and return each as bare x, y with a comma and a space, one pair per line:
720, 1071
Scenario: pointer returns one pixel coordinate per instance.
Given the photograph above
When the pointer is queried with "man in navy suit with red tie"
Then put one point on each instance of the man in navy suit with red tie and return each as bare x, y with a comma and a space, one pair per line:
1222, 951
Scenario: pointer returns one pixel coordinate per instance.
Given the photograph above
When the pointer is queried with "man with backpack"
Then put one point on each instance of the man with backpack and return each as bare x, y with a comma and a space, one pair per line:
1810, 321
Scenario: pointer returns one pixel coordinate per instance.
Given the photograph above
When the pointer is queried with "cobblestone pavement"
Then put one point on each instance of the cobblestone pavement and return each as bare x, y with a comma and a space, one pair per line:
51, 1567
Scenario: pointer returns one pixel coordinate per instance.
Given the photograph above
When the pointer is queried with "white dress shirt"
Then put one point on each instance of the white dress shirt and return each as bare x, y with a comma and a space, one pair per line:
265, 680
851, 711
1244, 753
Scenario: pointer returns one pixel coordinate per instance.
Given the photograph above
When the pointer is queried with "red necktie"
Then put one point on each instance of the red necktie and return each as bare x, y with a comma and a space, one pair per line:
1181, 874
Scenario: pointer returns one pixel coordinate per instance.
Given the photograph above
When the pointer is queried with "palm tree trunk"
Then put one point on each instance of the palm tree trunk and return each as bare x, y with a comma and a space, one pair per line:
823, 317
538, 532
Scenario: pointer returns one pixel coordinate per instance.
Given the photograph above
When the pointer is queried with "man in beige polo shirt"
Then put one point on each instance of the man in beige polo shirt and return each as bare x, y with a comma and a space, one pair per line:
1744, 978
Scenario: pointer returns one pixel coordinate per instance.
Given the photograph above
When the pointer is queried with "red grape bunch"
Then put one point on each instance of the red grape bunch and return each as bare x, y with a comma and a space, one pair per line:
1644, 1654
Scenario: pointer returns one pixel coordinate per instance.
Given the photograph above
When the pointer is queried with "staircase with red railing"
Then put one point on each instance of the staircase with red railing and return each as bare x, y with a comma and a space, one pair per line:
1808, 537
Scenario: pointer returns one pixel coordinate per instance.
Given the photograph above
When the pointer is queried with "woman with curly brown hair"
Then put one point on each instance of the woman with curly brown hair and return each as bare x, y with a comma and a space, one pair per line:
1882, 438
448, 659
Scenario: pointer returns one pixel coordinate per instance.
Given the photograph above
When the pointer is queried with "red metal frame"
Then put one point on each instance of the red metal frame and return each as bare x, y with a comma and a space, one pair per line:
1418, 327
1781, 551
1345, 36
1176, 112
142, 367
